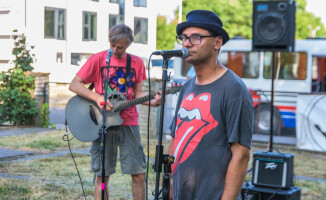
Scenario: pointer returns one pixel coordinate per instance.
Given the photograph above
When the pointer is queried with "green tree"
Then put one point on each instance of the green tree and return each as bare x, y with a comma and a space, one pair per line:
235, 14
165, 41
17, 106
237, 18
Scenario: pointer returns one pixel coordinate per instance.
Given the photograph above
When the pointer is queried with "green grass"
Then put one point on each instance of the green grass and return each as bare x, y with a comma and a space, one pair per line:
56, 177
49, 141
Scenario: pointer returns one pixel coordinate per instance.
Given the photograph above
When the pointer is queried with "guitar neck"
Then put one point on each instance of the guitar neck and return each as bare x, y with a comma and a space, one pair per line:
134, 102
143, 99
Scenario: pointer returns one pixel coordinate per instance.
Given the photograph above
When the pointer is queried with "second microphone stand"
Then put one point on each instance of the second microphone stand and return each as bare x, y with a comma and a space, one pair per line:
160, 159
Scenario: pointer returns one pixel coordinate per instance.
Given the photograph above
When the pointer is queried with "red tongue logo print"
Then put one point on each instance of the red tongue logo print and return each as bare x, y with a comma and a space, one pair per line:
193, 123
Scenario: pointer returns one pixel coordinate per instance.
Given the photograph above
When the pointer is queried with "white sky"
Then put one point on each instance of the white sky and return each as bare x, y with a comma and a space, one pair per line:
164, 8
317, 7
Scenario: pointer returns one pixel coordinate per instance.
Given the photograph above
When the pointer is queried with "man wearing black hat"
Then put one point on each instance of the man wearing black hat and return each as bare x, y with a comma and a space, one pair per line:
212, 128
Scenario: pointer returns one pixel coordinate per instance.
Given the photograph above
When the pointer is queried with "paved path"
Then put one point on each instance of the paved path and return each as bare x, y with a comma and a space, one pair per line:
12, 131
276, 139
7, 154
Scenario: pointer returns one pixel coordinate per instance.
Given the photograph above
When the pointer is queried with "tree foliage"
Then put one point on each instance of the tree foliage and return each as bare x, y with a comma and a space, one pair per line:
166, 40
17, 106
237, 19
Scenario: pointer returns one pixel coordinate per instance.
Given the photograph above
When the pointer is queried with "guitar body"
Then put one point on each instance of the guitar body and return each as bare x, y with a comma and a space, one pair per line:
84, 117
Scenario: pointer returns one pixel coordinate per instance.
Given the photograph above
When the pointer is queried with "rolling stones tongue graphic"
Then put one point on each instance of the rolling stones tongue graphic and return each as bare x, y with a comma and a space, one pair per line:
193, 123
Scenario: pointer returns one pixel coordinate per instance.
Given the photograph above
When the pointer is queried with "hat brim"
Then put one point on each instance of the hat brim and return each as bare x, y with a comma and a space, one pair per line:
212, 28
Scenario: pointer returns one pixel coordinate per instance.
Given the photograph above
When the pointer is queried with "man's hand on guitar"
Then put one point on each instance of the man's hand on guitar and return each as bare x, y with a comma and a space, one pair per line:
100, 102
157, 101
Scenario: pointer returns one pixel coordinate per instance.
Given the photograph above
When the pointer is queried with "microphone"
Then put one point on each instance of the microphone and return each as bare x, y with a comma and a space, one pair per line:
182, 53
110, 52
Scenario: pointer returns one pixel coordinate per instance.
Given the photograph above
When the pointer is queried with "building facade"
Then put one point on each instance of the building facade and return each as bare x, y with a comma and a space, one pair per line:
66, 33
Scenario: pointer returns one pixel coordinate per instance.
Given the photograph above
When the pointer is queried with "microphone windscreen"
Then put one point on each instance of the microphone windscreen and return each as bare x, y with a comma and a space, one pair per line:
185, 53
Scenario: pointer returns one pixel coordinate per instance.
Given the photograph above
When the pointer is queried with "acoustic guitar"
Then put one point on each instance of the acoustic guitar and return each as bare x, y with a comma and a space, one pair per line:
84, 117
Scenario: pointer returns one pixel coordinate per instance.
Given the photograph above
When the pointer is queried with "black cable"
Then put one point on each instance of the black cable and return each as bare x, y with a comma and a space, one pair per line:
276, 150
269, 198
247, 183
148, 121
73, 158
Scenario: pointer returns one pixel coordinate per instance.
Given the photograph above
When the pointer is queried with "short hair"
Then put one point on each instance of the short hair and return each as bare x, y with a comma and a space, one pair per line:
120, 31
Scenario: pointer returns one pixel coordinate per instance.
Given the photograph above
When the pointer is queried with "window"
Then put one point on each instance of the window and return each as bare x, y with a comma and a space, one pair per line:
115, 19
243, 64
79, 58
89, 26
293, 66
140, 3
59, 57
54, 23
318, 74
141, 30
159, 63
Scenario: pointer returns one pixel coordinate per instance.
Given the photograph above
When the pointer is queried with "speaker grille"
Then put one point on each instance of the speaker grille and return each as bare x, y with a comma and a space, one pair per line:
272, 170
270, 27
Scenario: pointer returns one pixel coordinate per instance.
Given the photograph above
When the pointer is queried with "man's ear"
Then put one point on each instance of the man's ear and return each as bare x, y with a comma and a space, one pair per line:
218, 42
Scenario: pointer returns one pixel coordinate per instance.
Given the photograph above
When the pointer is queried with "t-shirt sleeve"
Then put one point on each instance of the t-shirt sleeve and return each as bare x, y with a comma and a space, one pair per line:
140, 70
89, 71
239, 121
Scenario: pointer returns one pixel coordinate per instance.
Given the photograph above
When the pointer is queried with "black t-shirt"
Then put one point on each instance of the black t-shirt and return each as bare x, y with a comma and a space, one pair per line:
208, 118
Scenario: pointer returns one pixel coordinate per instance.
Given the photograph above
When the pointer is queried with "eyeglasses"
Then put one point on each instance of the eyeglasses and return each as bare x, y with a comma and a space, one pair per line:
193, 39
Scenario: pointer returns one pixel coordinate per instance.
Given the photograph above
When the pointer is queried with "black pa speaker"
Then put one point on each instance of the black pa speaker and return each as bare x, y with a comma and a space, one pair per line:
251, 192
273, 25
272, 169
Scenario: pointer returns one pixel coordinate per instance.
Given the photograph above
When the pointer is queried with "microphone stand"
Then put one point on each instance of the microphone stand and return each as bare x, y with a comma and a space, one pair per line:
271, 131
102, 130
159, 157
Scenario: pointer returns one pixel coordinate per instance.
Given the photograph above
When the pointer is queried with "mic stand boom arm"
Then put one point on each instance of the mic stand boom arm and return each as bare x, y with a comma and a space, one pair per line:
159, 157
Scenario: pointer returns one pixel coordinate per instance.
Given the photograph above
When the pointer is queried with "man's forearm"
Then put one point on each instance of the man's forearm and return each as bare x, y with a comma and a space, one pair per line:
235, 175
77, 87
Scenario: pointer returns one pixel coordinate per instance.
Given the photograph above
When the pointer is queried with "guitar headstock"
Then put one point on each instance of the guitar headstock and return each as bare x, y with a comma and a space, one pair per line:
173, 89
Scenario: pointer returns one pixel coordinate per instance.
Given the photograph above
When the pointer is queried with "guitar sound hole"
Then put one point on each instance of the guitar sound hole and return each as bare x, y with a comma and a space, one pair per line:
116, 98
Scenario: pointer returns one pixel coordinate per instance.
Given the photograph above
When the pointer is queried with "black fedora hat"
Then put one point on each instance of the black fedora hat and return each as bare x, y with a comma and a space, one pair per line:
204, 19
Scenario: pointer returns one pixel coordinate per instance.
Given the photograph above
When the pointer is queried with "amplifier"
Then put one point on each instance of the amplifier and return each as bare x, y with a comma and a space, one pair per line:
272, 169
252, 192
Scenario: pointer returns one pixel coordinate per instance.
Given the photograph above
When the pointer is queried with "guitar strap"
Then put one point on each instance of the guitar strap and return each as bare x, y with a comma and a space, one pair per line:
128, 72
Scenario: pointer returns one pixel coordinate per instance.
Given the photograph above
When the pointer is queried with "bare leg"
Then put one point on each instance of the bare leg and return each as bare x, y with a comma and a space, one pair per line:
138, 186
98, 188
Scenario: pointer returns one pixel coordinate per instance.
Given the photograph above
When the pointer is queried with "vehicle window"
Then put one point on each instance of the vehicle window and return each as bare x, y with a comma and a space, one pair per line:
159, 63
244, 64
288, 65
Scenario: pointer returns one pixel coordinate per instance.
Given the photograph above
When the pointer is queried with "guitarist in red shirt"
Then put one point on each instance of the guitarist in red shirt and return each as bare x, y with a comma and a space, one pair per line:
126, 73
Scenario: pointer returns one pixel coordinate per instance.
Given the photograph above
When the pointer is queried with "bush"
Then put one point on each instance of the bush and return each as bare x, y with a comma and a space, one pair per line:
17, 106
45, 120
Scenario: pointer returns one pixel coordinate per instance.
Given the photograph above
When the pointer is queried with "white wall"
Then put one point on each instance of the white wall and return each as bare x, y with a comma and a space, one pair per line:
28, 17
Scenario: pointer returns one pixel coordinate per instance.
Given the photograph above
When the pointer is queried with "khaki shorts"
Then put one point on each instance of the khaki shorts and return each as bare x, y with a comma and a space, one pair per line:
132, 157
